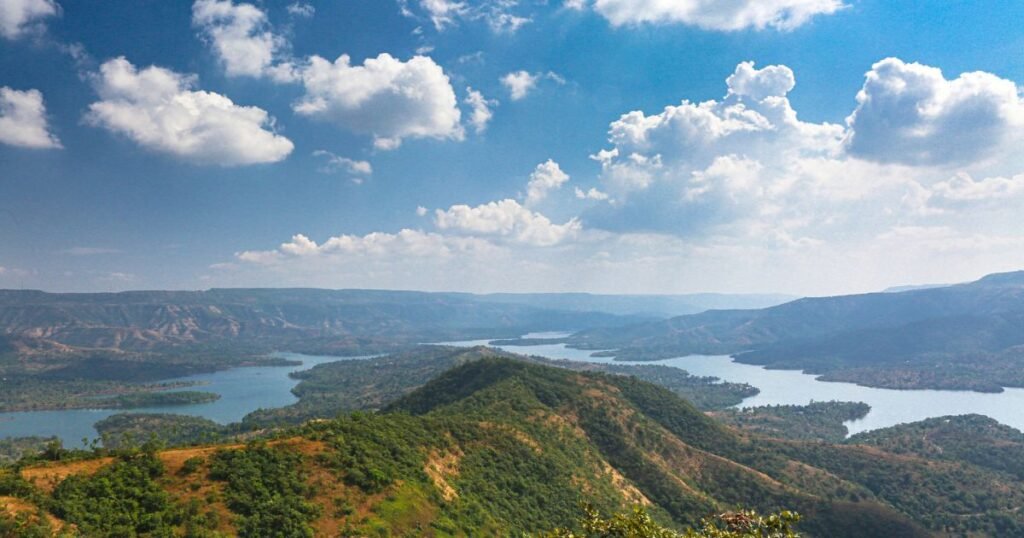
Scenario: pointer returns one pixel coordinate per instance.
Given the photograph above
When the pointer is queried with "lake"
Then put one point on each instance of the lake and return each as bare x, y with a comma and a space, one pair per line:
242, 391
779, 387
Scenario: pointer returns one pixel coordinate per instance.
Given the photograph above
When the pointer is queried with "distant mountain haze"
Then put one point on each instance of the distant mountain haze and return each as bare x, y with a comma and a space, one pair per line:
974, 331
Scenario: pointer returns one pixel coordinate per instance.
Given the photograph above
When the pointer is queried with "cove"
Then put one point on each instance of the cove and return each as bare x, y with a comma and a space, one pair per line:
242, 391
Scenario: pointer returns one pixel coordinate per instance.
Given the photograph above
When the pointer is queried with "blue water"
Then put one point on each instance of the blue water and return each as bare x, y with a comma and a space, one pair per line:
242, 391
781, 387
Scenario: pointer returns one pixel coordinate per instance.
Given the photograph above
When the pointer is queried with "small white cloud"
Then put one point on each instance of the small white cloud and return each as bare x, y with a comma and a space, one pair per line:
336, 162
421, 211
519, 84
592, 194
444, 12
239, 34
385, 97
447, 13
506, 219
725, 16
548, 176
301, 9
575, 4
21, 17
480, 109
23, 120
158, 109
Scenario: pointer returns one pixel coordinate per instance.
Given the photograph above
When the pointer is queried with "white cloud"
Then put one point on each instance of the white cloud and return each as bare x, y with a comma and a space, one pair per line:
519, 84
20, 17
23, 120
715, 15
385, 97
592, 194
480, 109
405, 243
301, 9
497, 14
506, 219
350, 166
546, 177
910, 113
159, 110
444, 12
421, 211
735, 194
239, 34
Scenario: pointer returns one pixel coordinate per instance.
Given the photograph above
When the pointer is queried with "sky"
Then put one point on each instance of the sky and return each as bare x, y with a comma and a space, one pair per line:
811, 147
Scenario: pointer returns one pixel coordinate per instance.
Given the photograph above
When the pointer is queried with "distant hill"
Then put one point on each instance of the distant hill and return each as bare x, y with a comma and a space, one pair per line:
334, 320
642, 305
962, 336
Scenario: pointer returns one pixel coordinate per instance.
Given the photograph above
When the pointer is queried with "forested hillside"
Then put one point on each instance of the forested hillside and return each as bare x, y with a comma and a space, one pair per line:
502, 446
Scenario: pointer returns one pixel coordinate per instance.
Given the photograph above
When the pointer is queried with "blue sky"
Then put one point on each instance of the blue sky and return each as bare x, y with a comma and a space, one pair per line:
507, 145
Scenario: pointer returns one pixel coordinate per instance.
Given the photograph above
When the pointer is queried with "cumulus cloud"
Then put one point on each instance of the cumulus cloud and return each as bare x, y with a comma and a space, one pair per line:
239, 34
480, 109
592, 194
405, 243
712, 15
158, 109
729, 193
548, 176
335, 163
911, 114
21, 17
506, 219
23, 120
519, 84
385, 97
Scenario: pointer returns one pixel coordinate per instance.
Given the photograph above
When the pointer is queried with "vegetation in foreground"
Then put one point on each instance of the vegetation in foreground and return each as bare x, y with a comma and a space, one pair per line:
498, 446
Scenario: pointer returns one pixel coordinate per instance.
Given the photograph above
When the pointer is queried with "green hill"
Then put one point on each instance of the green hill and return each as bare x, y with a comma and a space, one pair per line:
499, 446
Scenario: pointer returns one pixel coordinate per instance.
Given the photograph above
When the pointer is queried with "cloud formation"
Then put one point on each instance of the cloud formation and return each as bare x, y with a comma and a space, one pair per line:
385, 97
443, 14
239, 34
480, 109
21, 17
714, 15
336, 162
158, 109
519, 84
23, 120
507, 220
548, 176
910, 113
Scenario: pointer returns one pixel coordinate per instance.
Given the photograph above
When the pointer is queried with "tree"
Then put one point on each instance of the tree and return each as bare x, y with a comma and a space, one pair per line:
639, 524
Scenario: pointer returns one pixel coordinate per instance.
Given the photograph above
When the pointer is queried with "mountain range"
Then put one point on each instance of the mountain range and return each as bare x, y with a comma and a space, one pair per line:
965, 336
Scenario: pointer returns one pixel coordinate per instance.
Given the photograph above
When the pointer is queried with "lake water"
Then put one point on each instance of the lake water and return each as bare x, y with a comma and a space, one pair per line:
242, 391
888, 407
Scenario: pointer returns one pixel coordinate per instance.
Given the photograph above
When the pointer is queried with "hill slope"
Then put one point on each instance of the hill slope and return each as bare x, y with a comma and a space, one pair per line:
963, 336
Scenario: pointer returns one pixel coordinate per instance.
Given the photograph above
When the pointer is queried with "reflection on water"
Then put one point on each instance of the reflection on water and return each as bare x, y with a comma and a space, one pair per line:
242, 391
779, 387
